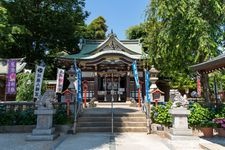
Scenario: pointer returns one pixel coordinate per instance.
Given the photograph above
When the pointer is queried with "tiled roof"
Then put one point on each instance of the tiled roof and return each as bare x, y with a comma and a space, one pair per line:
4, 67
210, 65
94, 48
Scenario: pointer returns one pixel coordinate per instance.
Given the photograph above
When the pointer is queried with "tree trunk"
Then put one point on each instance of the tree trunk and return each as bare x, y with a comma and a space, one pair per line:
205, 85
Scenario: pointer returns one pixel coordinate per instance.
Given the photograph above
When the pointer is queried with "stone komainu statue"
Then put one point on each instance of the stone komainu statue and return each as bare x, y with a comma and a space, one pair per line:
180, 101
45, 101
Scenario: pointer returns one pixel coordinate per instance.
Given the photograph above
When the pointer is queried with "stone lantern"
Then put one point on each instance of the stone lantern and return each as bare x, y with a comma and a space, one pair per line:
156, 94
153, 77
72, 77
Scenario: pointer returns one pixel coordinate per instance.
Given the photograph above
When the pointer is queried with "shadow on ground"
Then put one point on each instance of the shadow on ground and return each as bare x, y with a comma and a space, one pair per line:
215, 139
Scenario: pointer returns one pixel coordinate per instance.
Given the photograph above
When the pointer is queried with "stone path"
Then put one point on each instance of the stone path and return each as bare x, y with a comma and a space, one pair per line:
105, 141
100, 141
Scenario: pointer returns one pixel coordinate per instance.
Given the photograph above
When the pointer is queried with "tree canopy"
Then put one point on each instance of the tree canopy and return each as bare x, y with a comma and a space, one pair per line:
50, 25
136, 32
7, 32
96, 29
181, 33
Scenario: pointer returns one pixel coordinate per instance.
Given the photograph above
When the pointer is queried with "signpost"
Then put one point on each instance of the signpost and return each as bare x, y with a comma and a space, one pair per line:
156, 94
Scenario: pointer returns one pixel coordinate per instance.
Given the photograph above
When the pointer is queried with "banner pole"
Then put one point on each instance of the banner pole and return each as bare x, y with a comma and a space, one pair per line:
139, 97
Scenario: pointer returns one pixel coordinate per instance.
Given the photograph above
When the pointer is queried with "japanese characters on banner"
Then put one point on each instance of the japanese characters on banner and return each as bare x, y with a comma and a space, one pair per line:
38, 80
11, 77
134, 68
147, 84
199, 90
78, 82
79, 89
60, 80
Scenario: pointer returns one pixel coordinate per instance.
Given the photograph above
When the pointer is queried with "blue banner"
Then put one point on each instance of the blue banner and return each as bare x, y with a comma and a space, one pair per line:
79, 85
147, 84
135, 73
78, 82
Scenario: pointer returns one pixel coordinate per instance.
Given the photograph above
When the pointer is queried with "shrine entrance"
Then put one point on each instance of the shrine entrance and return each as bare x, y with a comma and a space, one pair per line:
106, 67
112, 82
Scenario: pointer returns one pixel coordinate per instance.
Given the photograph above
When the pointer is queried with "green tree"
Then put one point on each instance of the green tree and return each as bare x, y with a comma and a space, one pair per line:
136, 32
51, 24
96, 29
182, 33
25, 86
7, 32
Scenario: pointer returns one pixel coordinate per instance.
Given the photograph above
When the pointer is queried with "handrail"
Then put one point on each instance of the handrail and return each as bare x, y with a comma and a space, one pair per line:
112, 113
146, 108
77, 110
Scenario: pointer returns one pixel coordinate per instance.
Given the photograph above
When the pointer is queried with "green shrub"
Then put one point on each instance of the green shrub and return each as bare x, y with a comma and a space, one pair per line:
220, 113
17, 117
200, 116
27, 116
160, 114
61, 117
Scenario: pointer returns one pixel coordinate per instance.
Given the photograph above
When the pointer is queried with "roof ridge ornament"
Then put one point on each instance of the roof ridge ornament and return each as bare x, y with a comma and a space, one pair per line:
81, 42
112, 34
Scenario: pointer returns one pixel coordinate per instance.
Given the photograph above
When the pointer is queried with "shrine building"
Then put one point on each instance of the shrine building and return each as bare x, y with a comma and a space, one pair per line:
106, 66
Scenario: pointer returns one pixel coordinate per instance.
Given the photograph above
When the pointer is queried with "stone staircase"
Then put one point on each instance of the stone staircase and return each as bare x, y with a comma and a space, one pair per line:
100, 120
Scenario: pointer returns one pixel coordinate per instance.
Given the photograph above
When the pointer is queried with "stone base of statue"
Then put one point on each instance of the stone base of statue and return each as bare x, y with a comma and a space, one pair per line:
180, 122
44, 130
179, 135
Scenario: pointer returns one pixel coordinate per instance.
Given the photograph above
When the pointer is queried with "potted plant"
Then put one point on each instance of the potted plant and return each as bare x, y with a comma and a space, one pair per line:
207, 128
220, 120
220, 124
201, 118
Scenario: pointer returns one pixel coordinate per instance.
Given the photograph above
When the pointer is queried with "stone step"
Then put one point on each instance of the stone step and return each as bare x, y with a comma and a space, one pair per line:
108, 124
99, 119
115, 115
108, 119
114, 103
108, 129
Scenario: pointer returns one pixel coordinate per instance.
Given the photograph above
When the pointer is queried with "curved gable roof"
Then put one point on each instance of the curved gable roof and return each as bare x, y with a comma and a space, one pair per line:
112, 45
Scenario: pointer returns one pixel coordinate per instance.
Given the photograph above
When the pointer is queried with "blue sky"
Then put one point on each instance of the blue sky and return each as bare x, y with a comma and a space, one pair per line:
119, 14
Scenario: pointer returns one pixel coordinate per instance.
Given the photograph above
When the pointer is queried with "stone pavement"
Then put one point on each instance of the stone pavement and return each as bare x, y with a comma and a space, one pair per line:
100, 141
118, 141
85, 141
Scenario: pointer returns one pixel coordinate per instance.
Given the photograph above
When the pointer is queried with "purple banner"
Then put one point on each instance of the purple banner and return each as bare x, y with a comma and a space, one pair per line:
11, 77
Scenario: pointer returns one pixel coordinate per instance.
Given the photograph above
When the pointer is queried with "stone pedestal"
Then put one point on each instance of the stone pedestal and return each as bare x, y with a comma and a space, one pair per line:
44, 130
179, 135
180, 122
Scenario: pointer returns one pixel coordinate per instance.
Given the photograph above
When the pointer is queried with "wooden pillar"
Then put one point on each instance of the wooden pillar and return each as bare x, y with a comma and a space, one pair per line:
205, 83
96, 84
128, 84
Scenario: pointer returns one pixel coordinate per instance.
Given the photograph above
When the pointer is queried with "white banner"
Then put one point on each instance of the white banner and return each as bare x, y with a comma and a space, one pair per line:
38, 80
60, 80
